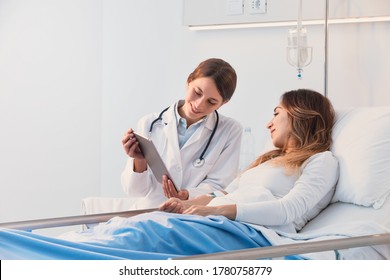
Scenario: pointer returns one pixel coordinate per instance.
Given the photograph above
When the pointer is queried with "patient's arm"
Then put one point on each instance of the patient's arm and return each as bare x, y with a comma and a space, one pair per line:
175, 205
197, 206
229, 211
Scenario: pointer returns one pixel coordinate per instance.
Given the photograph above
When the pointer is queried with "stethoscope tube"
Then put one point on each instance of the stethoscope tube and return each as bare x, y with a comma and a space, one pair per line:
199, 161
156, 120
201, 158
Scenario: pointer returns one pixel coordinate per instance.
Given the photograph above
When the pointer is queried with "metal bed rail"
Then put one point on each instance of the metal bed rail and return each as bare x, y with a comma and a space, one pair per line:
296, 248
246, 254
71, 220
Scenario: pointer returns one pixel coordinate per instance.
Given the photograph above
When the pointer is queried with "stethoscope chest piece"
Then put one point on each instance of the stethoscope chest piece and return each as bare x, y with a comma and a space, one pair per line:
198, 162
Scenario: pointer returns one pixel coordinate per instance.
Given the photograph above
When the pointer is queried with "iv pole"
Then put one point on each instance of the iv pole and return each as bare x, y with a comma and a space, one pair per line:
326, 49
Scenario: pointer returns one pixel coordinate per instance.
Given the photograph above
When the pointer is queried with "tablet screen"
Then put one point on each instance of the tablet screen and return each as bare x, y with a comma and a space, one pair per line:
153, 158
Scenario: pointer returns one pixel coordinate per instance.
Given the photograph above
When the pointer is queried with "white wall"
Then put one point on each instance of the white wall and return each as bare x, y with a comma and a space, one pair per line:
74, 75
50, 106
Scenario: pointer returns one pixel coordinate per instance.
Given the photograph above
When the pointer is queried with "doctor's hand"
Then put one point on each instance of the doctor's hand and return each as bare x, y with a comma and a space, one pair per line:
170, 189
131, 146
132, 149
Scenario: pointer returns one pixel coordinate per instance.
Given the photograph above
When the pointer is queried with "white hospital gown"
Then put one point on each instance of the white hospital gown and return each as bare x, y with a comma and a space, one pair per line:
270, 196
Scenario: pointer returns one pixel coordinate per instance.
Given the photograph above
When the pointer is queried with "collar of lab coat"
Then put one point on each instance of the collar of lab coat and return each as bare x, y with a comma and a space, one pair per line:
170, 130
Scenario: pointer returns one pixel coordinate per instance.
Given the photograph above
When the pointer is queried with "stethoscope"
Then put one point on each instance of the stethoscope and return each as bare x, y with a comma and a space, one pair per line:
199, 162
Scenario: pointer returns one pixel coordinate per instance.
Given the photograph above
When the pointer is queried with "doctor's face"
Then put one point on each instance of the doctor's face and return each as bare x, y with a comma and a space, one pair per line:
280, 128
202, 98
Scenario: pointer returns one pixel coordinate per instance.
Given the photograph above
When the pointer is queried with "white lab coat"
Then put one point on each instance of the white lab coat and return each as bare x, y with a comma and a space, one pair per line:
219, 169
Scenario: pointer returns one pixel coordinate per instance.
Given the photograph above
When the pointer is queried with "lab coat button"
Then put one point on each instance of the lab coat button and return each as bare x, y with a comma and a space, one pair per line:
178, 169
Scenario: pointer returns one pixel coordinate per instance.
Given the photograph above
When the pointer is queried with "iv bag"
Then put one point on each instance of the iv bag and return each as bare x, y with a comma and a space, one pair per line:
298, 53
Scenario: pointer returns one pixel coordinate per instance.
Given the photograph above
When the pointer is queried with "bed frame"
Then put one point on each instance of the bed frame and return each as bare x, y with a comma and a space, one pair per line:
246, 254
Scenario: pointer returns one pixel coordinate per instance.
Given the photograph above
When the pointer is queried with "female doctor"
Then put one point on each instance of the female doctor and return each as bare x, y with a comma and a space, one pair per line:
199, 146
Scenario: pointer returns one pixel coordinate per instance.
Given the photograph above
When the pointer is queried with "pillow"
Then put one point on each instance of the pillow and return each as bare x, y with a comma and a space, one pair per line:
362, 145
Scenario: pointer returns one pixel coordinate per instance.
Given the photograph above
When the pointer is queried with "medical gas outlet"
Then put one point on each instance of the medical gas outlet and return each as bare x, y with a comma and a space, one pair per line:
258, 6
241, 7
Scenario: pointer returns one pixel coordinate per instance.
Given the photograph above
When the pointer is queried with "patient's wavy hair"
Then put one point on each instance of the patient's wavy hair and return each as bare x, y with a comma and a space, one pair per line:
312, 117
221, 72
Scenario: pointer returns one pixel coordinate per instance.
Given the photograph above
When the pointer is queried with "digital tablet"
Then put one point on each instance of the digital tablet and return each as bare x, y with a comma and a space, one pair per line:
153, 158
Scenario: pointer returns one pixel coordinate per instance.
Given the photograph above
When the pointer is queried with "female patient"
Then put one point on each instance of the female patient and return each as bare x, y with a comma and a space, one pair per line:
282, 189
286, 186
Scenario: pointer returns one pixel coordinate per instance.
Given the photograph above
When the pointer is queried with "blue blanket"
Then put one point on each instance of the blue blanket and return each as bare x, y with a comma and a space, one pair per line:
155, 235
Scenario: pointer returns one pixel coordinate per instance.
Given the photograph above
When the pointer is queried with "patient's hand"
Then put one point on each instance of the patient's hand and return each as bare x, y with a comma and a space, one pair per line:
229, 211
173, 205
176, 205
200, 210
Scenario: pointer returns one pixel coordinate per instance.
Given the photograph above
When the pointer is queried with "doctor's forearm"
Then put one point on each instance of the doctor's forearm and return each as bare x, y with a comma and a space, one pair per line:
139, 165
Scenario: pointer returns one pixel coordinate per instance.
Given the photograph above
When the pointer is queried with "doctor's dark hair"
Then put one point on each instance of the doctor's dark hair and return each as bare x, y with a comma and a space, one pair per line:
221, 72
311, 116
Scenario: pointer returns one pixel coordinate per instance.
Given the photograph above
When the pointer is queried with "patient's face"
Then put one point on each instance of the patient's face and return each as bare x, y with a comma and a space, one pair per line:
279, 127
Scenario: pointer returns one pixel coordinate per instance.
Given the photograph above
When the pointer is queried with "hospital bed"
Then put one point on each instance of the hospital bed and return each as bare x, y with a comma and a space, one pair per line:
356, 225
